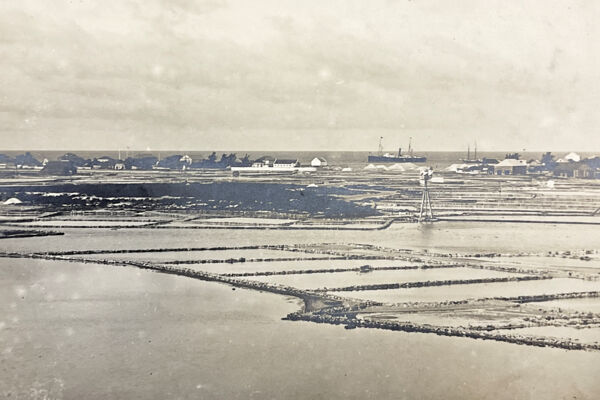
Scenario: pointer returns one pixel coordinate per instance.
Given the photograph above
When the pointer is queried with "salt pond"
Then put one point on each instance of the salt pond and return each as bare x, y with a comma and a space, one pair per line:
544, 262
271, 266
201, 255
583, 335
480, 290
340, 279
587, 305
443, 237
87, 331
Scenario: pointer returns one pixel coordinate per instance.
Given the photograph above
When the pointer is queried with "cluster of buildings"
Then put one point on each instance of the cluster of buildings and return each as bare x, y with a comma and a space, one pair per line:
569, 166
70, 163
271, 164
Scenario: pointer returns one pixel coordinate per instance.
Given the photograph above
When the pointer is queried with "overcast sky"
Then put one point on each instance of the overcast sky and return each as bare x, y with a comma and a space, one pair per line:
299, 75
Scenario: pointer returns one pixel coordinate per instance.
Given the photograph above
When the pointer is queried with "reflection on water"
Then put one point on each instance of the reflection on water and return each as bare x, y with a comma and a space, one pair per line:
586, 305
585, 335
479, 290
443, 236
340, 279
87, 331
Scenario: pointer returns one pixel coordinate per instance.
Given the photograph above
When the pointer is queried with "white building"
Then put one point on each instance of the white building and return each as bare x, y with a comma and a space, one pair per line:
511, 166
318, 162
263, 162
285, 163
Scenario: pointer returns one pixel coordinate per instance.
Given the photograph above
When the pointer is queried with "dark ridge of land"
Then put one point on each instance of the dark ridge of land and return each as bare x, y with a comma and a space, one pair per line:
549, 297
448, 282
351, 323
164, 225
251, 260
11, 234
363, 269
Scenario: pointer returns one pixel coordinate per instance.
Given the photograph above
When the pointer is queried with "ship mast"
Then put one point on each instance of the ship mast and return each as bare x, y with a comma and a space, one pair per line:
410, 146
381, 145
426, 211
475, 150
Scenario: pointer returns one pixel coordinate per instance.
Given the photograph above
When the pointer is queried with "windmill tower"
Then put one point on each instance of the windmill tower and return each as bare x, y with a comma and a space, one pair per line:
426, 212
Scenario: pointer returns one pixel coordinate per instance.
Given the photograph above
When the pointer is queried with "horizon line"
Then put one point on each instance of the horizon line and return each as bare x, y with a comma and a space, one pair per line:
290, 151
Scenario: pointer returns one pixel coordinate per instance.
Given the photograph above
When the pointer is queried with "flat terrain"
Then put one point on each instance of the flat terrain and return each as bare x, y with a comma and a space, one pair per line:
156, 275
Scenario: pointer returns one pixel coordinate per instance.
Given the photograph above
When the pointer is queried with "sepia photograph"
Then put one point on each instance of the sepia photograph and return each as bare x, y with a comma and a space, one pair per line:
277, 199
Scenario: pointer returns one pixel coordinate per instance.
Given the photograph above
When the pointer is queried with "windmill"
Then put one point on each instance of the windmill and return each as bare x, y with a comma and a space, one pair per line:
426, 212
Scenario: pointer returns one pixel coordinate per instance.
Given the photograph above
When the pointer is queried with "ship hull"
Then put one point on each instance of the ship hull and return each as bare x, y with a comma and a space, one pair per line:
382, 159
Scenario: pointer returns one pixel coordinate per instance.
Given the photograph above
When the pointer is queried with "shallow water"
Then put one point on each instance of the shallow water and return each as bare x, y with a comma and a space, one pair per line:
92, 331
77, 331
301, 265
479, 290
549, 262
86, 223
587, 305
444, 236
584, 335
341, 279
437, 319
201, 255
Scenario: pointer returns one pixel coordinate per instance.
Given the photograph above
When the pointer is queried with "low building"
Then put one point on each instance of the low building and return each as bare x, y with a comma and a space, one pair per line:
593, 162
7, 165
145, 162
75, 159
263, 162
535, 167
318, 162
27, 161
575, 170
511, 166
285, 163
61, 167
171, 162
104, 162
475, 169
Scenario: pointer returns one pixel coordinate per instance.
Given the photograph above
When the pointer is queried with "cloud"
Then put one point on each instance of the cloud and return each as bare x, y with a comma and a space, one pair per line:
114, 72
